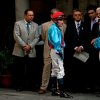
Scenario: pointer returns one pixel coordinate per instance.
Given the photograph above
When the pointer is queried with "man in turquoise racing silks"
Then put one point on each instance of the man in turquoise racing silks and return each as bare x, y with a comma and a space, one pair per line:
56, 44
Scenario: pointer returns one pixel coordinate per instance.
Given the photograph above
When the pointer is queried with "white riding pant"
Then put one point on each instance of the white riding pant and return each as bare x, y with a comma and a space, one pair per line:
57, 65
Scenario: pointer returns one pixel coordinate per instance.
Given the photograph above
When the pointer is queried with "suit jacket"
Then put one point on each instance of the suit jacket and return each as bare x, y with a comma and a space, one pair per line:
44, 34
72, 38
22, 37
87, 28
95, 32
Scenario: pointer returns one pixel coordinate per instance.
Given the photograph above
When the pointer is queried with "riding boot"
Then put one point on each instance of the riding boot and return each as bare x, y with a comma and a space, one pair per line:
54, 86
63, 94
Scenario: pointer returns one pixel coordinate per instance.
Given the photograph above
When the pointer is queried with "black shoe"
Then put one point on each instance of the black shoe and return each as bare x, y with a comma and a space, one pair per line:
65, 95
19, 89
98, 94
55, 93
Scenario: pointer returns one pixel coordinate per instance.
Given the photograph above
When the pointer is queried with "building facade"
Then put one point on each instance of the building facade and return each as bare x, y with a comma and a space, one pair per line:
14, 11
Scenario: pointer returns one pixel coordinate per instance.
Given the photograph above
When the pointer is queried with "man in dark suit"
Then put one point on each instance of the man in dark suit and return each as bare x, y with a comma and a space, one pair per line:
96, 52
75, 41
89, 22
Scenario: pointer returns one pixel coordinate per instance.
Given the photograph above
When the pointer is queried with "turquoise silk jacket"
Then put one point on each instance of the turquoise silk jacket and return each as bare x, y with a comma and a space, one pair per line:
55, 38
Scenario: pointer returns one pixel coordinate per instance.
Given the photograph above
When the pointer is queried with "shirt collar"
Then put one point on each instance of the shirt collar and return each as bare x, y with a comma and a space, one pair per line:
96, 19
77, 22
27, 22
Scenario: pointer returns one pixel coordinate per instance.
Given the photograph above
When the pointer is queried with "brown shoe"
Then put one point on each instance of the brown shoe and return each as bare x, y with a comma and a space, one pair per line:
41, 91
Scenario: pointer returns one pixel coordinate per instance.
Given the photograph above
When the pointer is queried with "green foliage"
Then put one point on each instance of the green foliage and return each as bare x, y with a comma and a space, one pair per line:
6, 60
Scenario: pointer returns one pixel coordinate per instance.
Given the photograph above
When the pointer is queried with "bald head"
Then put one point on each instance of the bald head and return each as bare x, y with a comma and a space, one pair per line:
98, 12
54, 10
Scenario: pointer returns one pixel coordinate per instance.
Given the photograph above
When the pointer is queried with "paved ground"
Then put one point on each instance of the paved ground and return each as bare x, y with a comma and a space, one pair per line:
8, 94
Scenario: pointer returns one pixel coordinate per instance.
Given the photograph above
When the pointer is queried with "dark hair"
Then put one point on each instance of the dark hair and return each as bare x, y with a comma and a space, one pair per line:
91, 7
26, 11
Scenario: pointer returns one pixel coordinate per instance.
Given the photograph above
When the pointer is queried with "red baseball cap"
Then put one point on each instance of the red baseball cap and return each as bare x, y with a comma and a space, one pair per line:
58, 15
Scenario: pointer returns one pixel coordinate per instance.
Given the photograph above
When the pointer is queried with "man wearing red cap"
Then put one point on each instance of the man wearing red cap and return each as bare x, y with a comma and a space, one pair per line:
56, 44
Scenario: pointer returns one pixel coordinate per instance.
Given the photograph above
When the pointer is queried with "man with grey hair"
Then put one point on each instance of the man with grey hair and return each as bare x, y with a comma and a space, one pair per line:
98, 15
98, 12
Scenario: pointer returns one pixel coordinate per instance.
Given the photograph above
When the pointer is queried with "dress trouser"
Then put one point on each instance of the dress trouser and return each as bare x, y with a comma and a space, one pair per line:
24, 72
46, 73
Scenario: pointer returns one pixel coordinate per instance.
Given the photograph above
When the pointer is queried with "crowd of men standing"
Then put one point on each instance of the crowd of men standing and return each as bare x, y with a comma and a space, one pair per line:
80, 32
82, 75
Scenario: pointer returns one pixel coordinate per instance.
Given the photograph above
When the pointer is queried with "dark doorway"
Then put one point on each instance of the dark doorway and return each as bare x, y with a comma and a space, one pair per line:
42, 9
7, 19
75, 4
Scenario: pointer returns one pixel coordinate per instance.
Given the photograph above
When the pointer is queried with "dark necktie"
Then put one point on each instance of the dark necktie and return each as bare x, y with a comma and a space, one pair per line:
78, 28
28, 28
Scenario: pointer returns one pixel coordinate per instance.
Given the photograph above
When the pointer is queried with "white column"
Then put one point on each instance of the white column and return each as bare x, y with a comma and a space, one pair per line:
20, 6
